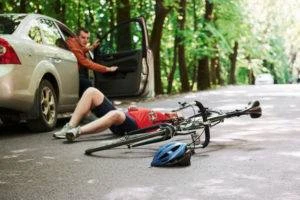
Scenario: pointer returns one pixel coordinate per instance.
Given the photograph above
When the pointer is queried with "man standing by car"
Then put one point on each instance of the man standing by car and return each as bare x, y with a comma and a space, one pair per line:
78, 45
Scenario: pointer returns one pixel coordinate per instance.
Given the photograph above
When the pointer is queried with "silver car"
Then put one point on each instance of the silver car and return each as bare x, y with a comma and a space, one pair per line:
39, 75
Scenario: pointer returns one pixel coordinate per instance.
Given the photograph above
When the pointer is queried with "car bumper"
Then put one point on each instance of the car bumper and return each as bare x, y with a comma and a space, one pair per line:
14, 94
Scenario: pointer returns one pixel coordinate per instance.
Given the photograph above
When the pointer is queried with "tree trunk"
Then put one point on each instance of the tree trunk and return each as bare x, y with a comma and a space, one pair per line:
123, 36
195, 24
123, 11
251, 77
23, 6
172, 72
112, 14
203, 81
63, 12
220, 80
1, 8
38, 8
181, 49
78, 15
213, 70
60, 10
155, 42
233, 58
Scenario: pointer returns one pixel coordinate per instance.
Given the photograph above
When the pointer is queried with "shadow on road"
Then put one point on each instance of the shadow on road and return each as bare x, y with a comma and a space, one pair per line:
21, 129
125, 153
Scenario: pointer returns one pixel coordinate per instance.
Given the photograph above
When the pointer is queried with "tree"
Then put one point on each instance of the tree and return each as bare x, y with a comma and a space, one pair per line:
60, 10
233, 58
174, 63
203, 80
23, 6
124, 34
155, 42
181, 48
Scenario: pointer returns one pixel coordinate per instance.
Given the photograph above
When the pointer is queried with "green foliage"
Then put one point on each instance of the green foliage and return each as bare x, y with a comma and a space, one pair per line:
260, 34
242, 75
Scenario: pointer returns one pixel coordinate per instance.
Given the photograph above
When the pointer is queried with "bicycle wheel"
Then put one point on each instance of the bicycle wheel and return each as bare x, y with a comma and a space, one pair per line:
127, 139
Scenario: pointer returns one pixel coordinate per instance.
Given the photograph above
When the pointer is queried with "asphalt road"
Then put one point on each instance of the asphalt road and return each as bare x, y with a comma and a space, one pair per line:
246, 159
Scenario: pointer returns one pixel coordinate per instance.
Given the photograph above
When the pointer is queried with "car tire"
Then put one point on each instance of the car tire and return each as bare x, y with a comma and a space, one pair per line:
45, 107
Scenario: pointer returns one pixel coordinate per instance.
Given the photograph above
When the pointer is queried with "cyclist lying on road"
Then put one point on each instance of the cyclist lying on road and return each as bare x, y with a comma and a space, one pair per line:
117, 121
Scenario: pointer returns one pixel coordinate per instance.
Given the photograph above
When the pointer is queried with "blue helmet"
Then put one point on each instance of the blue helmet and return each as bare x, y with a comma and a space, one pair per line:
172, 154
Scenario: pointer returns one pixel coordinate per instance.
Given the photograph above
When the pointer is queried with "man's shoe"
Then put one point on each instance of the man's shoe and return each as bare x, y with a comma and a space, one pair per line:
72, 134
62, 133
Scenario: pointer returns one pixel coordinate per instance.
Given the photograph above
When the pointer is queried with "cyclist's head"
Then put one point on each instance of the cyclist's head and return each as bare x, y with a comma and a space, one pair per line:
172, 154
175, 116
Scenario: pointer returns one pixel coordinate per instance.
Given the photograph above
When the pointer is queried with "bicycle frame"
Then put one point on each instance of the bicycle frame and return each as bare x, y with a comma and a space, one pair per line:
187, 126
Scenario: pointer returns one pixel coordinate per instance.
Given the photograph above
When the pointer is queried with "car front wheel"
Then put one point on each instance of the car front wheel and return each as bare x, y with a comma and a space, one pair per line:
46, 108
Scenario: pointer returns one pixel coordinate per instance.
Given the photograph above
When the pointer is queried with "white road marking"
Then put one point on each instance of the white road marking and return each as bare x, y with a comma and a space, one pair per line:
92, 181
19, 150
11, 156
49, 157
291, 153
25, 160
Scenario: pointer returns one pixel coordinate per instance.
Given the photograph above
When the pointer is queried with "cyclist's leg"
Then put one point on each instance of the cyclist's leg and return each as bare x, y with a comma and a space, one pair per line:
112, 118
128, 125
90, 99
103, 106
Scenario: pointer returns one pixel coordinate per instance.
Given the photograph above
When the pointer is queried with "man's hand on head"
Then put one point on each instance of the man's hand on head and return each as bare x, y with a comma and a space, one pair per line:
94, 45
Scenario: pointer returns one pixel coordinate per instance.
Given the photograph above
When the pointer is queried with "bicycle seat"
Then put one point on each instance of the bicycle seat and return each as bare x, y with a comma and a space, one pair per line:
254, 109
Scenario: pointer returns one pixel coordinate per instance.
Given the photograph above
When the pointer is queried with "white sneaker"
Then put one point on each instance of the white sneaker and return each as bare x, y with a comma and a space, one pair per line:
62, 133
73, 133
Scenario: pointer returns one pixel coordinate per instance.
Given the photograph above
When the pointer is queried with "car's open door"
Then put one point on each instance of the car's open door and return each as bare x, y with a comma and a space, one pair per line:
127, 47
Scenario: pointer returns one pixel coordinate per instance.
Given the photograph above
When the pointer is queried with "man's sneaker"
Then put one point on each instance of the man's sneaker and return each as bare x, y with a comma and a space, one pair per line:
73, 133
62, 133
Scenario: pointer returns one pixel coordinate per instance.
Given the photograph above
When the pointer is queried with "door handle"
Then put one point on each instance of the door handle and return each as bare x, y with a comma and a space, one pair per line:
57, 60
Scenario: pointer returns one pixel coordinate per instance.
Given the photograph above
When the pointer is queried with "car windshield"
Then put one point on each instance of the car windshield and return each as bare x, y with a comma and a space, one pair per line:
9, 23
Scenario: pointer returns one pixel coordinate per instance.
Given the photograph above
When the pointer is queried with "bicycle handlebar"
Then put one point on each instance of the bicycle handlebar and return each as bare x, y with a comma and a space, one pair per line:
253, 109
202, 110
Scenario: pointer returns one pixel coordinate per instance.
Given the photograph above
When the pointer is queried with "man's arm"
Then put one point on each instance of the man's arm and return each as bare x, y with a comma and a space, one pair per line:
82, 60
94, 45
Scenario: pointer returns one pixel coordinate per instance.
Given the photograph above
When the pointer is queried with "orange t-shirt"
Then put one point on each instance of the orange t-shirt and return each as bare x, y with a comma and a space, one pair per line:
80, 51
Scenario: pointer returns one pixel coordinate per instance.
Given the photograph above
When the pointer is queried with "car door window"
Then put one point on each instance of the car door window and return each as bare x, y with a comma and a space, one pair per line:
10, 22
35, 34
66, 33
126, 37
124, 46
50, 33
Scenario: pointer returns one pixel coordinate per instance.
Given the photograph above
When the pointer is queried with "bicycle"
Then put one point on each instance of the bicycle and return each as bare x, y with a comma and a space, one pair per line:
202, 119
